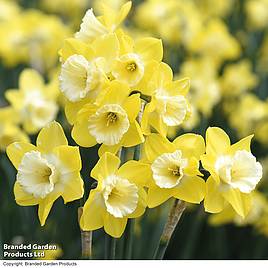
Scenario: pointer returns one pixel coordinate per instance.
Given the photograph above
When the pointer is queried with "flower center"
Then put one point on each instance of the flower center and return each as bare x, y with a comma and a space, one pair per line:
175, 171
131, 67
108, 124
168, 169
111, 118
120, 196
36, 175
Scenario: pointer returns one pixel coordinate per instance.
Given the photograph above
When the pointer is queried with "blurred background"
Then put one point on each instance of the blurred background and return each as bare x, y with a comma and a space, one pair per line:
221, 45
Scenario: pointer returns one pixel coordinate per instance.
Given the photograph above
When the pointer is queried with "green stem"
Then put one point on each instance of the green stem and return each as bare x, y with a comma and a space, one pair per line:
173, 219
86, 240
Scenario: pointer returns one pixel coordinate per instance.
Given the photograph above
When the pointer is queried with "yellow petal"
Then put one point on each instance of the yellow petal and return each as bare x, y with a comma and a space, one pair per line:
30, 79
117, 93
80, 132
133, 136
73, 188
114, 226
208, 162
149, 48
157, 196
243, 144
22, 198
217, 141
214, 201
191, 145
136, 172
72, 109
240, 202
15, 97
16, 151
156, 145
50, 137
107, 46
181, 87
45, 206
93, 212
69, 156
111, 149
191, 189
142, 204
145, 121
73, 46
107, 165
132, 106
124, 10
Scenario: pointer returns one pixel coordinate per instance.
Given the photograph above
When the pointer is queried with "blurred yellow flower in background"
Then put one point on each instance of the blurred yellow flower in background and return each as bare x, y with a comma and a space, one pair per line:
34, 101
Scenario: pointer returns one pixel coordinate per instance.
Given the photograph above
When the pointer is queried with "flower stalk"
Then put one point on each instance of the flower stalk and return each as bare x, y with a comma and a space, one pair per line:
86, 239
173, 219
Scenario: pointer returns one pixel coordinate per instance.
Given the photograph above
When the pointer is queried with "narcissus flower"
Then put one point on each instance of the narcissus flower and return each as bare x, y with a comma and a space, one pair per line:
234, 172
171, 169
93, 27
46, 171
117, 197
137, 59
169, 106
33, 101
111, 121
85, 68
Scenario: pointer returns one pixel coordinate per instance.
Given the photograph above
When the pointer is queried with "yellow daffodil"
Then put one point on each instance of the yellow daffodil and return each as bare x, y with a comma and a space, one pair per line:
171, 169
205, 88
234, 172
216, 42
46, 171
169, 106
117, 197
93, 27
33, 101
257, 17
85, 68
32, 37
238, 78
137, 59
111, 121
9, 130
246, 120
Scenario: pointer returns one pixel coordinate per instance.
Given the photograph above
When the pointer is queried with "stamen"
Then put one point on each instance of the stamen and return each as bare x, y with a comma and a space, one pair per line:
175, 171
111, 118
131, 67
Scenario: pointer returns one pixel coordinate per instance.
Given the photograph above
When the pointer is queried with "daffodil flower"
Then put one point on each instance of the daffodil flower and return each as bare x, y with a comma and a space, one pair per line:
137, 59
86, 68
169, 106
171, 169
117, 197
110, 122
93, 27
234, 172
33, 101
46, 171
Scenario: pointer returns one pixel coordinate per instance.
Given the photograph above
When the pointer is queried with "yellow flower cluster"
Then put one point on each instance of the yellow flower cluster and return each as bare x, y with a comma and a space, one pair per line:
120, 94
29, 37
